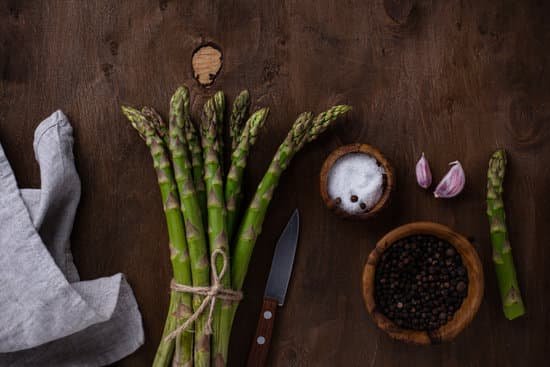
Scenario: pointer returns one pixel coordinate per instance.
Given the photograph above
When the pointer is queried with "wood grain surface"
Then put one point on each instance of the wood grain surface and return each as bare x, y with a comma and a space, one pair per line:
456, 79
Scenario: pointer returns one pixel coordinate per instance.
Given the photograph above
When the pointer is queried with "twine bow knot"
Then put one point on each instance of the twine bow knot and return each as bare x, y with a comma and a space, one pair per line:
212, 294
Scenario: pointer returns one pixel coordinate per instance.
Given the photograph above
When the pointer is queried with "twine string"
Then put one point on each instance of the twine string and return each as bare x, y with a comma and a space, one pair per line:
211, 295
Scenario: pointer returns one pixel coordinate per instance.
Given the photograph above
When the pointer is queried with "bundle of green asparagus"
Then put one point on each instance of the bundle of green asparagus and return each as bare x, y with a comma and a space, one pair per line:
202, 206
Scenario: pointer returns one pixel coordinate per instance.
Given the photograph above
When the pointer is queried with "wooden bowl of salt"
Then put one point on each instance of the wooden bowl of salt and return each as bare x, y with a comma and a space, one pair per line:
356, 181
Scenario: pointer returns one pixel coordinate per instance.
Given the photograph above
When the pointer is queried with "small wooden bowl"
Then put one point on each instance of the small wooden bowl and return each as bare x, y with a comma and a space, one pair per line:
356, 148
462, 316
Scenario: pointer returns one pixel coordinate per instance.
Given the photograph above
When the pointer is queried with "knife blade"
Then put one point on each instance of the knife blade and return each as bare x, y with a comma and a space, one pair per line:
283, 260
275, 291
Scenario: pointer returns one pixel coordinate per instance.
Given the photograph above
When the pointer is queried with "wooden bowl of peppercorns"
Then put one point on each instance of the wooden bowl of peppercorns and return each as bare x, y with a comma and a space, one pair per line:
423, 283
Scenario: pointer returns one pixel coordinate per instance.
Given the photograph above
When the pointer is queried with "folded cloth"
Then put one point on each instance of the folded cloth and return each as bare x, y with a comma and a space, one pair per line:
47, 316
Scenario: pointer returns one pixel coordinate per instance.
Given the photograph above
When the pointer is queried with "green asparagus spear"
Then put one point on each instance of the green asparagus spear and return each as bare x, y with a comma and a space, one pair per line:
194, 228
512, 303
234, 182
193, 139
238, 118
251, 224
217, 222
304, 130
180, 303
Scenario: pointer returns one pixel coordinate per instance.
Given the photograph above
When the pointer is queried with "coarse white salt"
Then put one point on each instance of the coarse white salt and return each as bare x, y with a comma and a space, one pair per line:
357, 180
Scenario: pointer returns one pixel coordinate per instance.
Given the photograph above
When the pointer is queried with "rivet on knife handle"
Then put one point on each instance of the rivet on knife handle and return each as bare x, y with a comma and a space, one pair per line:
260, 344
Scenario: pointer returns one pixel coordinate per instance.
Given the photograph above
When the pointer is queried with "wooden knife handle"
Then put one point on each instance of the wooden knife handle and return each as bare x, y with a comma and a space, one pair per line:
260, 345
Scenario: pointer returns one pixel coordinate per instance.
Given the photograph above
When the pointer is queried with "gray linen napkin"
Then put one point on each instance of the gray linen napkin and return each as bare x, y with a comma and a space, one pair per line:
47, 316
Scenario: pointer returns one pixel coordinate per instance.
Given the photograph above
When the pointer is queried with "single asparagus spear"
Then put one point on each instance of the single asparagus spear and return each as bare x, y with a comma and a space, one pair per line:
180, 303
193, 139
234, 182
251, 224
217, 222
238, 117
194, 228
512, 303
304, 130
219, 107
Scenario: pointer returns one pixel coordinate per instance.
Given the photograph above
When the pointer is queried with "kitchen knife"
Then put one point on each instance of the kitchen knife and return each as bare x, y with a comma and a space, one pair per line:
275, 291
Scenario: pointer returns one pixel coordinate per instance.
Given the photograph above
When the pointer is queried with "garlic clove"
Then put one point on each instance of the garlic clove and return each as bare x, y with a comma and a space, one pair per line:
452, 183
423, 172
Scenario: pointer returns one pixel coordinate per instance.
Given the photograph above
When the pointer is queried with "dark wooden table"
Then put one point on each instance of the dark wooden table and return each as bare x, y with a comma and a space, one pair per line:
453, 79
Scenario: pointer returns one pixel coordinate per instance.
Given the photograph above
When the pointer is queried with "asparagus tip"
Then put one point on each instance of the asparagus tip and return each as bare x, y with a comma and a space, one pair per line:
130, 112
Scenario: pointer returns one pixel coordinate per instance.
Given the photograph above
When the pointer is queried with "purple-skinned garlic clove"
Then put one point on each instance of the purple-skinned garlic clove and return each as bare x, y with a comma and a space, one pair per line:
423, 172
452, 184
